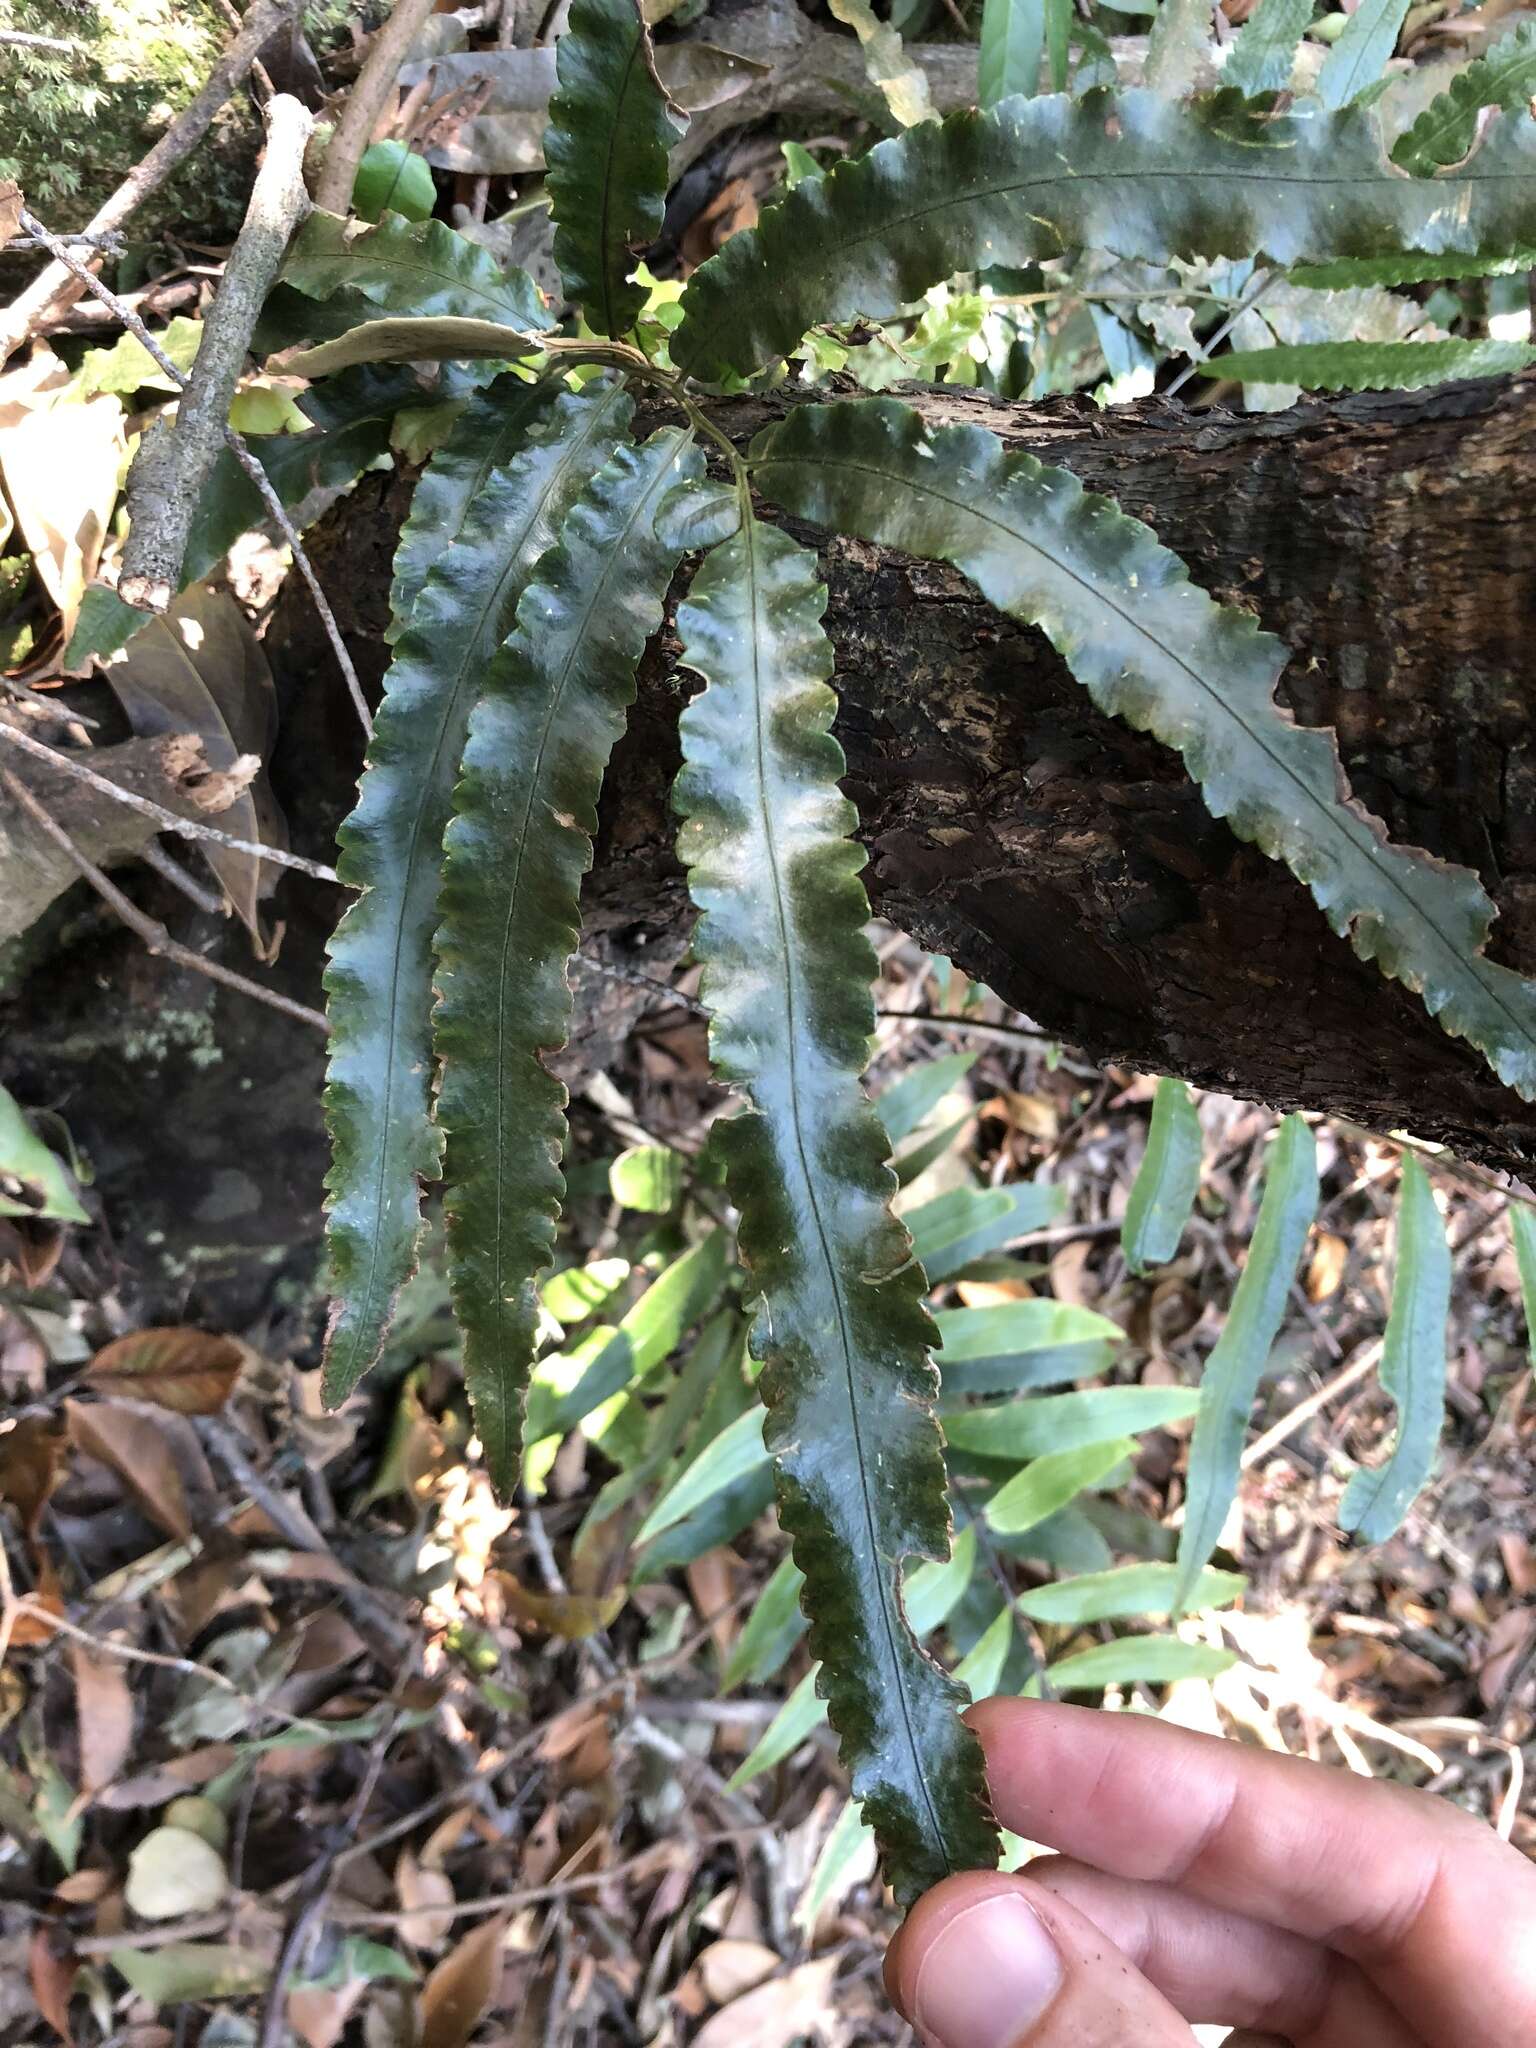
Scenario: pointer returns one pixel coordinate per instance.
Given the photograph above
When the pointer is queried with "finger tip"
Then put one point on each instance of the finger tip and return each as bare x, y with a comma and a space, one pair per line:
927, 1920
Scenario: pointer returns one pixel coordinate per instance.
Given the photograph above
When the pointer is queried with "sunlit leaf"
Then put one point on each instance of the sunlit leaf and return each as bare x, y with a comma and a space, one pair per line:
1138, 1660
734, 1453
396, 339
649, 1178
1359, 57
800, 1716
846, 1857
917, 1093
1412, 1364
842, 1329
379, 981
1062, 1422
773, 1627
610, 127
904, 83
1129, 1589
33, 1180
551, 706
1017, 1344
980, 1670
967, 1223
1151, 647
1235, 1367
392, 178
1046, 1486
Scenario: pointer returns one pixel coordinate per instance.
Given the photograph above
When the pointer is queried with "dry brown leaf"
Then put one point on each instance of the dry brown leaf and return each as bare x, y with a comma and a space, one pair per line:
104, 1712
150, 1451
61, 461
1330, 1256
190, 1371
319, 2015
541, 1847
712, 1584
10, 208
570, 1616
31, 1458
201, 670
992, 1293
52, 1974
23, 1355
423, 1894
462, 1986
798, 2003
729, 1969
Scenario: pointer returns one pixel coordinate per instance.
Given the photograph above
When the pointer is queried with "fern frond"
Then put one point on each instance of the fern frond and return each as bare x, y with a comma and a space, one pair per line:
552, 706
842, 1327
1164, 1190
1131, 173
1359, 57
1447, 128
1235, 1367
1152, 648
419, 268
379, 981
1264, 50
1371, 365
1412, 1364
610, 127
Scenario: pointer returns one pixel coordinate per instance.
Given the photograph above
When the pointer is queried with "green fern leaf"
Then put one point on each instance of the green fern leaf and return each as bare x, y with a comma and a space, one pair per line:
1152, 648
1235, 1367
842, 1327
420, 268
1265, 48
378, 1093
610, 127
1358, 59
1412, 1364
1395, 270
1178, 42
1447, 128
1522, 1226
1371, 365
1133, 174
1012, 44
552, 706
1165, 1187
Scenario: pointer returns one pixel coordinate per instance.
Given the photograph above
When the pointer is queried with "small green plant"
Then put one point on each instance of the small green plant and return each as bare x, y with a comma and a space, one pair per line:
530, 574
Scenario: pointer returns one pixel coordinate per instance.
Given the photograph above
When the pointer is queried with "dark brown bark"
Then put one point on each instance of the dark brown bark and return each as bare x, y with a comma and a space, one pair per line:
1050, 851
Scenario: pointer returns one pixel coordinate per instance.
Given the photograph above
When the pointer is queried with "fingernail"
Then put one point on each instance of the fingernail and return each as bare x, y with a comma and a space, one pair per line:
988, 1977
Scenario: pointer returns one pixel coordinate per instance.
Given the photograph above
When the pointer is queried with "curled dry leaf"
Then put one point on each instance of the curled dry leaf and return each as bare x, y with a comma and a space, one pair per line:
31, 1456
61, 463
462, 1986
190, 1371
785, 2008
571, 1616
52, 1974
154, 1455
173, 1872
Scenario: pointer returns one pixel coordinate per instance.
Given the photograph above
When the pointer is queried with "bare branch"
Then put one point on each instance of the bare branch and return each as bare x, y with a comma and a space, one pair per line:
375, 82
154, 935
169, 821
172, 465
242, 454
57, 289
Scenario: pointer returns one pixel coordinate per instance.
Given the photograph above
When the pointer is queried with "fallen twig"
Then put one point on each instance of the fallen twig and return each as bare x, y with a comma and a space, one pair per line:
154, 934
209, 901
365, 102
170, 821
168, 473
242, 455
61, 283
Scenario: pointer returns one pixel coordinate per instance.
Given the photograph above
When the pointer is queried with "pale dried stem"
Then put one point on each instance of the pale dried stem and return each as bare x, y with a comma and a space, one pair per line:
375, 82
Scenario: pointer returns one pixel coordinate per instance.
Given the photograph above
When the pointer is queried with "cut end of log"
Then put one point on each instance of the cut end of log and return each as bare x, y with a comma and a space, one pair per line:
146, 593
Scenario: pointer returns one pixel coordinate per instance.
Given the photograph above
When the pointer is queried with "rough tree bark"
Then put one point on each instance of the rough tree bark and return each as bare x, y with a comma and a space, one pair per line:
1067, 861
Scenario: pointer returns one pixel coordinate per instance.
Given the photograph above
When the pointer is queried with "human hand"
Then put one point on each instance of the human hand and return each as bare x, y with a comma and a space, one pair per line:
1202, 1881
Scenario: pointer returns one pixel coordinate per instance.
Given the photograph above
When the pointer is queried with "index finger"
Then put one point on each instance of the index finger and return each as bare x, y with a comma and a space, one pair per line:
1428, 1901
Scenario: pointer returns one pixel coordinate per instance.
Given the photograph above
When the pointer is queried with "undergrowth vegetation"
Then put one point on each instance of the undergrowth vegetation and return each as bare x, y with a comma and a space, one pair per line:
533, 569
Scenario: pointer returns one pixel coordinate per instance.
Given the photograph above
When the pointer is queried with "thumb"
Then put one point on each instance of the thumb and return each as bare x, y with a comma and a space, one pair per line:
986, 1960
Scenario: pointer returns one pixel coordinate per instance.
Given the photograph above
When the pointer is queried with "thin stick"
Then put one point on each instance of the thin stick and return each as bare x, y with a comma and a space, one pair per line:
169, 821
22, 40
1204, 350
242, 455
171, 870
365, 102
154, 935
169, 471
56, 290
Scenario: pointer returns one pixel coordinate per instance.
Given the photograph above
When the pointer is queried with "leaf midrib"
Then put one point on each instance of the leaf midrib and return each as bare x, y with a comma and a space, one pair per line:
788, 954
1342, 821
